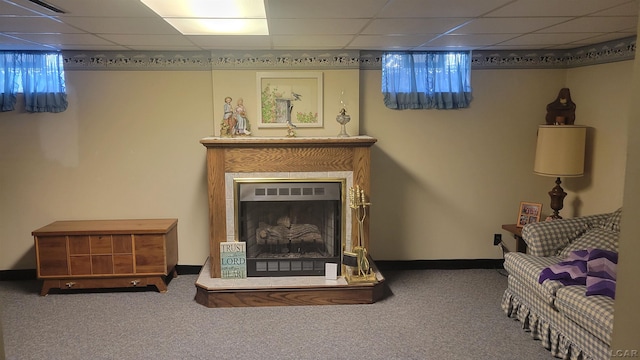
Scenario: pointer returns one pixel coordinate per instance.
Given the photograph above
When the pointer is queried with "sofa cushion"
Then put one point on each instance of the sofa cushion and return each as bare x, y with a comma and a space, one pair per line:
526, 269
594, 313
613, 221
594, 237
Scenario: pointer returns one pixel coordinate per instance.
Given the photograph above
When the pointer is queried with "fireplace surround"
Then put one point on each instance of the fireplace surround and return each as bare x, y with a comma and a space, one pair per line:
312, 159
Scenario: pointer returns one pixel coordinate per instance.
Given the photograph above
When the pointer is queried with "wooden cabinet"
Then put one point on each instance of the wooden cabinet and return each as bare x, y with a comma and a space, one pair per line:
106, 253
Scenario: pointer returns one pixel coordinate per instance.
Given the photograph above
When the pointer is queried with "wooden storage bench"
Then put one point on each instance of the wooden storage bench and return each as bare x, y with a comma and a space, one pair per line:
89, 254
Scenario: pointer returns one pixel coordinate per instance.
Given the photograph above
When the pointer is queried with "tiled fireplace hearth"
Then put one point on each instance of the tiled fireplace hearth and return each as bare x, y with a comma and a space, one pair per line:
318, 160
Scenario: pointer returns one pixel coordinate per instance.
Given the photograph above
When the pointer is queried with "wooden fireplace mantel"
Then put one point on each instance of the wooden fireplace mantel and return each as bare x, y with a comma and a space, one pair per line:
279, 154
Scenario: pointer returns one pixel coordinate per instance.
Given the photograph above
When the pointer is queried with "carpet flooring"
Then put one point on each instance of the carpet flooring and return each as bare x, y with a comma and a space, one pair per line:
428, 314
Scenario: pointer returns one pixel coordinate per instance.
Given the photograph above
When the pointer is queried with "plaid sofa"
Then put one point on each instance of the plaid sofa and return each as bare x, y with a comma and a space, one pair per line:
569, 323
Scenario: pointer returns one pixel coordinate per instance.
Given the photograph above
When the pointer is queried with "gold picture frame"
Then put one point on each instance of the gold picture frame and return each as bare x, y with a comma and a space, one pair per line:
289, 98
528, 213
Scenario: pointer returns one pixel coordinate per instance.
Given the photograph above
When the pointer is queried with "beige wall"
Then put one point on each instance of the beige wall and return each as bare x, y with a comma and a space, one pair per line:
128, 147
243, 84
445, 181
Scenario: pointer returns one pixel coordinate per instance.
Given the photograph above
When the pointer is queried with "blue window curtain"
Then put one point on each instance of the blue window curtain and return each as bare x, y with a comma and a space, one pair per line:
426, 80
39, 75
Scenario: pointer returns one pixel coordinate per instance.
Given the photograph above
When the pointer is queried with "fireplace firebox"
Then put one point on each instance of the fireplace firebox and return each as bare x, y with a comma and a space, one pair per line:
291, 227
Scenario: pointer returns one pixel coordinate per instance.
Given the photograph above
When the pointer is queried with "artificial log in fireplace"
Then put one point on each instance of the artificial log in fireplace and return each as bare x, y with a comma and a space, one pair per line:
294, 159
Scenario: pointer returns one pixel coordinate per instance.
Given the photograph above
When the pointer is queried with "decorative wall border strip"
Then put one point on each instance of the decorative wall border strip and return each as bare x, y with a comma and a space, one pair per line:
611, 51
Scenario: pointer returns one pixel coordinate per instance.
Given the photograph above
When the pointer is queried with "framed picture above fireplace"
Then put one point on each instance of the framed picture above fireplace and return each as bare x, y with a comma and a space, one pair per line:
289, 99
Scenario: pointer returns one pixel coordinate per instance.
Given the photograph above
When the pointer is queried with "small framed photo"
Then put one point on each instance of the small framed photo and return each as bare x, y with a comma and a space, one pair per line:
528, 213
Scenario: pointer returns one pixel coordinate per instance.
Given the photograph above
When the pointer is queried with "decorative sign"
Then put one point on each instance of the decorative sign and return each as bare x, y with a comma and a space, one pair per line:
233, 260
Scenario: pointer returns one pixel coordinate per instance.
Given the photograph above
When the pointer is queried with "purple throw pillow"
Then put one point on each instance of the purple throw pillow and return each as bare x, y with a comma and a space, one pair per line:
570, 271
601, 273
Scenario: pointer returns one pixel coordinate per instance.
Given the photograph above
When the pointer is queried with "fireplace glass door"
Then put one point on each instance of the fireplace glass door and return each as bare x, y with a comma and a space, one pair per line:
291, 228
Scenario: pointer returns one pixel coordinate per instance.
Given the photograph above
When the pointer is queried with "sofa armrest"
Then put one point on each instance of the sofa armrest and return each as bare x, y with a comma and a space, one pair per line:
548, 237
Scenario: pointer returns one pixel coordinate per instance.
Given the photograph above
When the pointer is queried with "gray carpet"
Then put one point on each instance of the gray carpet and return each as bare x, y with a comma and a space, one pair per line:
431, 314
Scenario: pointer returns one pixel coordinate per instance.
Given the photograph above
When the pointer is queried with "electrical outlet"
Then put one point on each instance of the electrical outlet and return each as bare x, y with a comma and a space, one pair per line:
497, 239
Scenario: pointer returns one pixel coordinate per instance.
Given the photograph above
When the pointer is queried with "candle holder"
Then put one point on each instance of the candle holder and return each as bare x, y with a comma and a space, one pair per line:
343, 118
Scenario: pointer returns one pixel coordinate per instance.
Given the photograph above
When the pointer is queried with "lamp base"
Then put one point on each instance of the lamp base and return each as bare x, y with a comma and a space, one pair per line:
557, 195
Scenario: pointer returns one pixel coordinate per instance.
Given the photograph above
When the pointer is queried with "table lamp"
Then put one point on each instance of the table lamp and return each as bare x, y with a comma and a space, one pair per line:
560, 153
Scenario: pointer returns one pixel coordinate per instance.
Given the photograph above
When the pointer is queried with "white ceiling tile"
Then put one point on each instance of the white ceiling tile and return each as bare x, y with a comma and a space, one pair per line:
331, 24
387, 42
600, 38
554, 7
9, 8
594, 24
413, 26
508, 25
315, 26
630, 8
8, 42
110, 25
164, 47
324, 9
469, 40
231, 42
65, 39
539, 39
34, 25
108, 8
87, 47
310, 42
439, 8
159, 40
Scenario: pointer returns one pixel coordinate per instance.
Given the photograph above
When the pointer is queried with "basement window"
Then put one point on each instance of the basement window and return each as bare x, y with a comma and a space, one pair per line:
426, 80
38, 75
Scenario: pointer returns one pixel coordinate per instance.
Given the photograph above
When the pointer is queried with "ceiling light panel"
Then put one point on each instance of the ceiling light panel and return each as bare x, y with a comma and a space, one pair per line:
220, 26
213, 17
217, 9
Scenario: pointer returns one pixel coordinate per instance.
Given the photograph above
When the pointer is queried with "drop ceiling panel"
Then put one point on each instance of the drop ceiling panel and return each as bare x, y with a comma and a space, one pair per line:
439, 8
545, 40
630, 8
315, 26
413, 26
310, 42
508, 25
336, 24
371, 42
324, 9
522, 8
34, 25
7, 8
110, 25
65, 39
157, 40
601, 38
594, 24
108, 8
469, 41
231, 42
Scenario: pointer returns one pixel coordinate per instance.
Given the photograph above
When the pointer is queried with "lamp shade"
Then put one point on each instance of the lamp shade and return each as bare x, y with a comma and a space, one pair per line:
560, 150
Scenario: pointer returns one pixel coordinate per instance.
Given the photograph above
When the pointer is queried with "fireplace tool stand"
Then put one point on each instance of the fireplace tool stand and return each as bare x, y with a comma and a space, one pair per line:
356, 261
